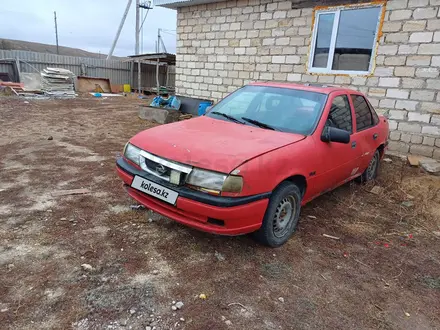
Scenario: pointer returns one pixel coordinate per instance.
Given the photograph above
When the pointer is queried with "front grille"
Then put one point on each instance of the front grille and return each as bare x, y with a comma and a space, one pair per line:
157, 168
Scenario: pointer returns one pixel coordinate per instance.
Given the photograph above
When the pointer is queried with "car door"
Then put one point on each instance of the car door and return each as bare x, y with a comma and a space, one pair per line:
339, 161
367, 128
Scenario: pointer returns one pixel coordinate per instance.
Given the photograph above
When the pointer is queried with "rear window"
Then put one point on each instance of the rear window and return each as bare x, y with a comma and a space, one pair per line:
287, 110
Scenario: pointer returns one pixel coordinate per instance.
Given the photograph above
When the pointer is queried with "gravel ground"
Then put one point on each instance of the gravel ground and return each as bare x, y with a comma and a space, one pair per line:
91, 262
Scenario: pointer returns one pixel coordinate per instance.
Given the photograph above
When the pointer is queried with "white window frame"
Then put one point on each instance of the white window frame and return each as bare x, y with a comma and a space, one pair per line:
337, 12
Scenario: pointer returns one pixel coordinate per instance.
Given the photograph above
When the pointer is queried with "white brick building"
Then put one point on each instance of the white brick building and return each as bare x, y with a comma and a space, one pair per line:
389, 50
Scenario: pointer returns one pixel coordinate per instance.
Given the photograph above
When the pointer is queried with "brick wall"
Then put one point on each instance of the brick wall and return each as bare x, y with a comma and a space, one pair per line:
223, 46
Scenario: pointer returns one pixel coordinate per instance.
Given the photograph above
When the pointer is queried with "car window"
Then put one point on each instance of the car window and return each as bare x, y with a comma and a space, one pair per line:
285, 109
364, 114
340, 114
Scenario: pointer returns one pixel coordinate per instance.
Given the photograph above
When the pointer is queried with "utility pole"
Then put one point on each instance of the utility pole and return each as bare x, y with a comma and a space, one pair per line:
138, 18
56, 30
119, 29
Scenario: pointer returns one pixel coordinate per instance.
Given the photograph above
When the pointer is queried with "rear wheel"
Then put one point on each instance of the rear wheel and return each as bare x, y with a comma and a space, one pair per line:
371, 172
281, 217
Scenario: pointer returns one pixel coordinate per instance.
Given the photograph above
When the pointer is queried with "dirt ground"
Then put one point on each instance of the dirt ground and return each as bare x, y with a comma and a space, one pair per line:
383, 272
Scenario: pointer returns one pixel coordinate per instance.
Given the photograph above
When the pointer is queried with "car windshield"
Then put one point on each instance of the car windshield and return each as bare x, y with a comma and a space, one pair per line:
281, 109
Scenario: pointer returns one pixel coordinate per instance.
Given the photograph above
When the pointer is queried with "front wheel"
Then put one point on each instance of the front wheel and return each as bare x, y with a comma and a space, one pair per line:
281, 217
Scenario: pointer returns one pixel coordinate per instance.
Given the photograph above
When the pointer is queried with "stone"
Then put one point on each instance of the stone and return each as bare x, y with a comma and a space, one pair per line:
179, 304
414, 25
174, 308
132, 311
87, 267
155, 272
281, 299
182, 319
421, 150
431, 166
159, 115
228, 322
219, 256
50, 138
420, 117
399, 15
148, 327
407, 204
414, 160
428, 12
418, 37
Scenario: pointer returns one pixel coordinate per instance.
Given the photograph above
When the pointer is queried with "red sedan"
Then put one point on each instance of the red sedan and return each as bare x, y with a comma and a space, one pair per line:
258, 155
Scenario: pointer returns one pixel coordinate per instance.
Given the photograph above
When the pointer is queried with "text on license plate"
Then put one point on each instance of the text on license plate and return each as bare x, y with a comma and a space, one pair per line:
154, 189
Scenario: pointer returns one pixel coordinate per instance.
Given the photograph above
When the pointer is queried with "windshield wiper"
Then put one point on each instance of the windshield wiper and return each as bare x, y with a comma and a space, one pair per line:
226, 116
259, 123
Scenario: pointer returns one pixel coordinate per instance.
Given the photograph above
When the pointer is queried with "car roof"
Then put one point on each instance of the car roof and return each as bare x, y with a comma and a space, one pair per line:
318, 88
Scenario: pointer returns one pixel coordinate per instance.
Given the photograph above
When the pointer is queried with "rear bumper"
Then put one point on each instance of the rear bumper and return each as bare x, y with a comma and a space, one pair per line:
231, 216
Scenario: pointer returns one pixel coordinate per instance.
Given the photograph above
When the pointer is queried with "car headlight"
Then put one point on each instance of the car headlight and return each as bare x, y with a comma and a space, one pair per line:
132, 153
214, 182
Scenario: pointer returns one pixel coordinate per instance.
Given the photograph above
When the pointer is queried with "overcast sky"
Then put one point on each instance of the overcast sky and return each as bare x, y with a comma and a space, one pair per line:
85, 24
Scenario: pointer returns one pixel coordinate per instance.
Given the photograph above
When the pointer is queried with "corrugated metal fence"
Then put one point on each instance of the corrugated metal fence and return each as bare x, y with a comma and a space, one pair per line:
118, 71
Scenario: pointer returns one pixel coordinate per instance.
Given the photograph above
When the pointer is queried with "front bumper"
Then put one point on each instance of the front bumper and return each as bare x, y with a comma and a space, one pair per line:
214, 214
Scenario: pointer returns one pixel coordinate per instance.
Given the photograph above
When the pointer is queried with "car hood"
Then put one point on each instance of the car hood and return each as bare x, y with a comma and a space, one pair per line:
211, 144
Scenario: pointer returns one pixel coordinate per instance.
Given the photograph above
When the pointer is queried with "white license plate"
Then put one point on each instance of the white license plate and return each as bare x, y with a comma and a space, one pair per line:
154, 189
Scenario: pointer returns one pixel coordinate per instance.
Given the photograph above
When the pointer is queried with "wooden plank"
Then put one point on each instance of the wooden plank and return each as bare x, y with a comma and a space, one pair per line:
70, 192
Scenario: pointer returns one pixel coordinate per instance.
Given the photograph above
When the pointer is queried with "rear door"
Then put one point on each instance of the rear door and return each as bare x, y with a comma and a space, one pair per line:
339, 162
367, 128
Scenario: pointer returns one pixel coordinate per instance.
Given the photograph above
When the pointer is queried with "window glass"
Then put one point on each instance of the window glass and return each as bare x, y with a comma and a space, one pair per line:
340, 114
323, 38
350, 45
364, 115
284, 109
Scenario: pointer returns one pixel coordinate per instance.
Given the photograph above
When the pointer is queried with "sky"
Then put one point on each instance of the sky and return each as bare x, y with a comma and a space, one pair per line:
87, 24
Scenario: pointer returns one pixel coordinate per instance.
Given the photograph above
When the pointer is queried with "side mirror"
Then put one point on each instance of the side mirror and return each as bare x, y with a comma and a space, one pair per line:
333, 134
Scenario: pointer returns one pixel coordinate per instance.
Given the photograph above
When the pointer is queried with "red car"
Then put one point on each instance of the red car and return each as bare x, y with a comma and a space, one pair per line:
258, 155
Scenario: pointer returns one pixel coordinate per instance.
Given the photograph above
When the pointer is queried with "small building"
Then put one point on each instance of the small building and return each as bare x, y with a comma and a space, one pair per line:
390, 50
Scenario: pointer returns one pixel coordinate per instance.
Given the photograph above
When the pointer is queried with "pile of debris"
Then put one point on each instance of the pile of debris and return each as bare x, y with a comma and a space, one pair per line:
58, 82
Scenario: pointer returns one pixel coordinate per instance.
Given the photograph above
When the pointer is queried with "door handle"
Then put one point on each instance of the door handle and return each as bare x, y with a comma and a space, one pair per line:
374, 136
353, 144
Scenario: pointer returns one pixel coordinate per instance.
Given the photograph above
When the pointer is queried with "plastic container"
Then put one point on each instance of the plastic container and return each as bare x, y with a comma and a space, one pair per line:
202, 107
127, 88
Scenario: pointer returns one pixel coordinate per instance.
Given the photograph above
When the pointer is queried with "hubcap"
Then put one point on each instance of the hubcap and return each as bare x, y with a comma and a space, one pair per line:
372, 168
283, 217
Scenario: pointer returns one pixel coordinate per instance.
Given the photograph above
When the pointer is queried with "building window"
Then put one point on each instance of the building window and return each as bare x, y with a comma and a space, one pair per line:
344, 40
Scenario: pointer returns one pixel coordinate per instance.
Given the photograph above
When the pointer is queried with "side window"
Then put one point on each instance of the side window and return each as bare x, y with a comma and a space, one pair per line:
364, 115
340, 114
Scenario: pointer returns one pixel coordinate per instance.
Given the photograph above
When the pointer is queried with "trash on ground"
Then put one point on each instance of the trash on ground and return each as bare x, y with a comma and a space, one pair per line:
311, 217
407, 203
387, 160
330, 236
219, 256
57, 82
377, 190
137, 207
202, 296
70, 192
172, 103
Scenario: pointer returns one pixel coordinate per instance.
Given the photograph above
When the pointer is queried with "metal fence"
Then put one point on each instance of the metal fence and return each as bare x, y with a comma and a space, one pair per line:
118, 71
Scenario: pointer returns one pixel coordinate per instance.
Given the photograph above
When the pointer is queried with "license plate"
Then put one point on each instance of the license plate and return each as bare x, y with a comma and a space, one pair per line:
154, 189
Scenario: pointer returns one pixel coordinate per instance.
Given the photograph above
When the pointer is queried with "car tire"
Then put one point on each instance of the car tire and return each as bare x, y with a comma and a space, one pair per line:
282, 215
371, 171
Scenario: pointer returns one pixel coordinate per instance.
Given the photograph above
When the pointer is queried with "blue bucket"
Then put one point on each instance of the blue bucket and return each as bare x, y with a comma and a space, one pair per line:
202, 107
